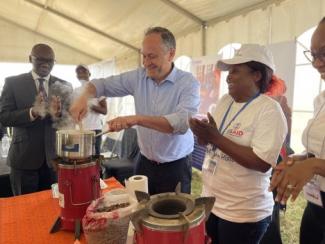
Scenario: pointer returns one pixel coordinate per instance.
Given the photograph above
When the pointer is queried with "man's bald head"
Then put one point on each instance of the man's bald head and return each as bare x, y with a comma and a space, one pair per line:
42, 57
42, 48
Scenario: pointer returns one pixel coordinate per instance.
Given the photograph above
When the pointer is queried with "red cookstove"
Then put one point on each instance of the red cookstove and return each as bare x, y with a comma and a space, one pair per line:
79, 185
175, 218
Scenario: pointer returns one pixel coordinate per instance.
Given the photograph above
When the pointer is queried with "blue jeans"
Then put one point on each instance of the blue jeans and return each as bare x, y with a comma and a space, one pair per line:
225, 232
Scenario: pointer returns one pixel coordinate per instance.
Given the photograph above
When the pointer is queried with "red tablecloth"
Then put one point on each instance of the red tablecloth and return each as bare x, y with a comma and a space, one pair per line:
29, 218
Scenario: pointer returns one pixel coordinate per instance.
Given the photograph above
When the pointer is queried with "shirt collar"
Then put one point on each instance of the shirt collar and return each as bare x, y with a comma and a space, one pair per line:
171, 76
36, 77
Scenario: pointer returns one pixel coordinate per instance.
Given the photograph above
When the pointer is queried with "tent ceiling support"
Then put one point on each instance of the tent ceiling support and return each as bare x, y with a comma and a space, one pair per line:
79, 23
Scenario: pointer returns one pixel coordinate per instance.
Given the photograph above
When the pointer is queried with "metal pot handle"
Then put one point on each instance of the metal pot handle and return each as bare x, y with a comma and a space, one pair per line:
94, 180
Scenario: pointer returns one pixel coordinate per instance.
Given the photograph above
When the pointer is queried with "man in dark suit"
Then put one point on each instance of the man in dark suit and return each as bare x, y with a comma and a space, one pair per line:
31, 103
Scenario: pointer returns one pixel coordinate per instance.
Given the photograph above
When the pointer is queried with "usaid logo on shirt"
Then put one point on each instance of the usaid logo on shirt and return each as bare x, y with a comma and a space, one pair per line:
236, 131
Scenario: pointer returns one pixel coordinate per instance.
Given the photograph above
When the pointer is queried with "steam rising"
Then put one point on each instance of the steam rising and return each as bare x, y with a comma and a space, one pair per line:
65, 93
76, 93
40, 106
43, 107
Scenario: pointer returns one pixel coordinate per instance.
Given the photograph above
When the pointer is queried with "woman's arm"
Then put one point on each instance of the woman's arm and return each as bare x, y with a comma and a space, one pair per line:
243, 155
292, 179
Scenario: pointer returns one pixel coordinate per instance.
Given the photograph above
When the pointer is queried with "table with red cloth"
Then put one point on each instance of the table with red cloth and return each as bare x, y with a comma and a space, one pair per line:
29, 218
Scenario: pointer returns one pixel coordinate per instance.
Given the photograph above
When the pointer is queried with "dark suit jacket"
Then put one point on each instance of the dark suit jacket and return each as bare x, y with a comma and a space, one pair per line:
33, 142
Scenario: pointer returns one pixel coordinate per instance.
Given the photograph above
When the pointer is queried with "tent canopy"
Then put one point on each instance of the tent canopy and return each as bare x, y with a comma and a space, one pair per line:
88, 31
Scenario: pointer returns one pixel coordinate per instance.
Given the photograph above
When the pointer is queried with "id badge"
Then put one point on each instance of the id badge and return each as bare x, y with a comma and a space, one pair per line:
312, 193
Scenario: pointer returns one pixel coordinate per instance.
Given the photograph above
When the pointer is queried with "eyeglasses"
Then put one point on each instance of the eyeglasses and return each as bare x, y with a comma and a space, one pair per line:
311, 57
39, 60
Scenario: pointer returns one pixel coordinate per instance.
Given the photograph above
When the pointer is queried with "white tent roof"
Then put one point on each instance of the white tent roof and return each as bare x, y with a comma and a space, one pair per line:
88, 31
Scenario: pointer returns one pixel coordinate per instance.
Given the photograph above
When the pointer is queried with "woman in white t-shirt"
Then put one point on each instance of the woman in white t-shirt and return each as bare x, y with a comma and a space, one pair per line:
244, 136
307, 170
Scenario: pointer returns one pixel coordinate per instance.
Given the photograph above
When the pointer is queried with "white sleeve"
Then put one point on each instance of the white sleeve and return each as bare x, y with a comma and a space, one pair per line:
269, 133
218, 110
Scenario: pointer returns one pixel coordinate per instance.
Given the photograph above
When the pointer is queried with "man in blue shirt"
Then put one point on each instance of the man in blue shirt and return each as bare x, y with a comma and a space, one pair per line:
165, 97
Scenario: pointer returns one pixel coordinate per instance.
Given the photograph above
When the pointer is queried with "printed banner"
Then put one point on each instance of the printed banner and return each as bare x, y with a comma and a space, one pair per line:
204, 69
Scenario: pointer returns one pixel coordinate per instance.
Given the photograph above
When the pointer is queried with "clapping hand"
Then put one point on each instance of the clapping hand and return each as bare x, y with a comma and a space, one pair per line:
39, 107
205, 130
291, 179
55, 107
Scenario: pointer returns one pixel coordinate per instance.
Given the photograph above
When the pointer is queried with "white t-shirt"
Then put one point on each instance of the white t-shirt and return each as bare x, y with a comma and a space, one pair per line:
92, 120
242, 194
313, 137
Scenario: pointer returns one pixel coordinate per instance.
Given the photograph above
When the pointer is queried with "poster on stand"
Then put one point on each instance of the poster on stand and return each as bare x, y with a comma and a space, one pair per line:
204, 69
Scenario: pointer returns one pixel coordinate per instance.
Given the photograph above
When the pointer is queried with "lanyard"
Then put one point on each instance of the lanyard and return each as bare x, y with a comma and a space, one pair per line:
222, 131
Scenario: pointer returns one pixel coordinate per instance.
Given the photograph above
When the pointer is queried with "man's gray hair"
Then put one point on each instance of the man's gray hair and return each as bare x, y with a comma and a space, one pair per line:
166, 36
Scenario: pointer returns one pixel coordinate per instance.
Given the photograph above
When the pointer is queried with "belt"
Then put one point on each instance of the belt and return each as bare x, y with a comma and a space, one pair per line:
157, 163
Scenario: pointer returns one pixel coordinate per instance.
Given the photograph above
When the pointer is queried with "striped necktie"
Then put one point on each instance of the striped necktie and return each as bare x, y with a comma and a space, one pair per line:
41, 88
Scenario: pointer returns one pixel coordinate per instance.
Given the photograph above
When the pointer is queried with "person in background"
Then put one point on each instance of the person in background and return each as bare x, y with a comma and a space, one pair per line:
97, 106
244, 136
31, 103
164, 98
276, 90
307, 170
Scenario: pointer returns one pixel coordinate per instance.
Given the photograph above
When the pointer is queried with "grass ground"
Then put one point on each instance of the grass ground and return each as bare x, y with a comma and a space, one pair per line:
289, 221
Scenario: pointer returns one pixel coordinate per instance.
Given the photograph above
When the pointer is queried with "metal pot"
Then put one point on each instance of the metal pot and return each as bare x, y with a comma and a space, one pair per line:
75, 144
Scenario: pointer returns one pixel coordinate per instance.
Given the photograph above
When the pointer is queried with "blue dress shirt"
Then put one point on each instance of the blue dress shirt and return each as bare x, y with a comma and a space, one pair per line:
176, 98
